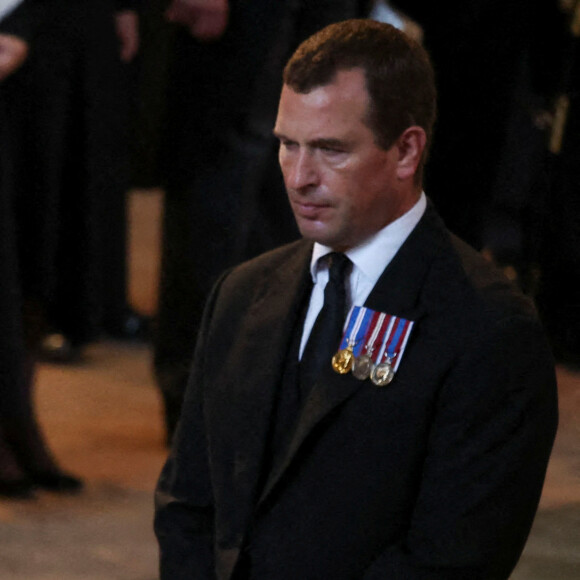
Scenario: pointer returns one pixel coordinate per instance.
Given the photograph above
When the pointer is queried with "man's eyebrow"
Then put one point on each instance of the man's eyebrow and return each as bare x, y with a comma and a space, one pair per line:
329, 142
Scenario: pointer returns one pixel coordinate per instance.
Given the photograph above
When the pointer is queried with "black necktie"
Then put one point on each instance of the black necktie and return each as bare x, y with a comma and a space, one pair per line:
326, 333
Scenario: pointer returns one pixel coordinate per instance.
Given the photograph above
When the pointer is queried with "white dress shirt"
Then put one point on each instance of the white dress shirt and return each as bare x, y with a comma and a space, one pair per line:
369, 261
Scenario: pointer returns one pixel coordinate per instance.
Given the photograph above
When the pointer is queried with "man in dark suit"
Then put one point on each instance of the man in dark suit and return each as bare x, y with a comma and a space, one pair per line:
427, 463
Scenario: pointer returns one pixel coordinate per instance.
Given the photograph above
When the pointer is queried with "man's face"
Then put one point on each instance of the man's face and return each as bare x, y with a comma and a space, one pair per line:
342, 187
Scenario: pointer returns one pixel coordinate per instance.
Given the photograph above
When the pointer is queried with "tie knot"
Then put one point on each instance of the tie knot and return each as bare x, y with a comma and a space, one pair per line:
338, 264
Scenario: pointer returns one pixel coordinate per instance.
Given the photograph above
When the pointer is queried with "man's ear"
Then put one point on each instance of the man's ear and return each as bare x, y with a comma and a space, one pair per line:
410, 144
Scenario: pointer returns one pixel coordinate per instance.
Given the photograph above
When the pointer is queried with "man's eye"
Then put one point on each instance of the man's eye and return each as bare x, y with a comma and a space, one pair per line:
332, 150
288, 144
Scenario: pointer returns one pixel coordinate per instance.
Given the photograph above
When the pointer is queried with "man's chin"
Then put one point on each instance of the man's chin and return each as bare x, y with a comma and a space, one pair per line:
319, 234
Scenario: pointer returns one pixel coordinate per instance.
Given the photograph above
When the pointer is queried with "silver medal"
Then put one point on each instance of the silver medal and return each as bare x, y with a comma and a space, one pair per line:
382, 374
362, 367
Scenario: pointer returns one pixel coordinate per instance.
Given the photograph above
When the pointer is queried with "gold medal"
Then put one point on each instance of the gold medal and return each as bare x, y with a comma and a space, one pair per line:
362, 367
342, 361
382, 374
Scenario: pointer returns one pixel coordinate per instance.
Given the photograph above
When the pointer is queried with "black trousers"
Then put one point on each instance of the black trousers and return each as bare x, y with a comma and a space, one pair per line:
74, 169
22, 445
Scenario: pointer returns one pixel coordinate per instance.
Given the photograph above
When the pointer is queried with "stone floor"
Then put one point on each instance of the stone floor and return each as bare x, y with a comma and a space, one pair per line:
103, 421
553, 549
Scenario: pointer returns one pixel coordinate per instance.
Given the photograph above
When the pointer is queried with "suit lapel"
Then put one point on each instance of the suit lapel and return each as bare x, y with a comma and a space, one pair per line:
400, 286
397, 292
244, 393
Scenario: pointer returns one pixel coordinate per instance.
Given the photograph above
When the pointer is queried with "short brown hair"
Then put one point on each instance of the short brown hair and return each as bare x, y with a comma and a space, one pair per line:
398, 72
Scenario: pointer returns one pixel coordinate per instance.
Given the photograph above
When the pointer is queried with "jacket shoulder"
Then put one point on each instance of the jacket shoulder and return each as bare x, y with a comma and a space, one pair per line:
266, 264
497, 296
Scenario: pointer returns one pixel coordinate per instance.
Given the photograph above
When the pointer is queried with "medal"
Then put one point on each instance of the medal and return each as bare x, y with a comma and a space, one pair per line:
394, 342
382, 374
343, 359
366, 332
362, 367
363, 364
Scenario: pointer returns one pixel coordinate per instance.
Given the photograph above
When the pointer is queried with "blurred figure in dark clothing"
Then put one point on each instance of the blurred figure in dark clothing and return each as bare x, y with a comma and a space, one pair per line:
225, 199
514, 221
559, 295
500, 66
74, 169
478, 48
25, 461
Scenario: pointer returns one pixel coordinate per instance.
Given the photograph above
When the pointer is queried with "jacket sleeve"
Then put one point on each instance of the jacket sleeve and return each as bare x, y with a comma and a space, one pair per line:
489, 445
184, 512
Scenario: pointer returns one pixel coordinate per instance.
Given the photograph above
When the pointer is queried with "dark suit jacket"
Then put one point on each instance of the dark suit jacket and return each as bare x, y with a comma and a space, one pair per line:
437, 475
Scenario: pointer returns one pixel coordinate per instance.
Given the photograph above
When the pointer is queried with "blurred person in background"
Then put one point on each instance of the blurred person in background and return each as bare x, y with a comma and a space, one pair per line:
509, 71
73, 173
496, 64
224, 195
558, 295
26, 463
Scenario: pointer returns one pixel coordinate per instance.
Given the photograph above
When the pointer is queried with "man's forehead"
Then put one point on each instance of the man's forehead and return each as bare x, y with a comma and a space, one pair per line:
340, 102
348, 82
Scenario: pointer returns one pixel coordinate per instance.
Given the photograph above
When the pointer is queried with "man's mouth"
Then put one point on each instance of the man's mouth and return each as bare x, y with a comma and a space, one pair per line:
309, 209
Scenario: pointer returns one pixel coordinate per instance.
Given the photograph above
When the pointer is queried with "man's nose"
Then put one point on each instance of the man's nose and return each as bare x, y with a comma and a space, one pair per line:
302, 171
